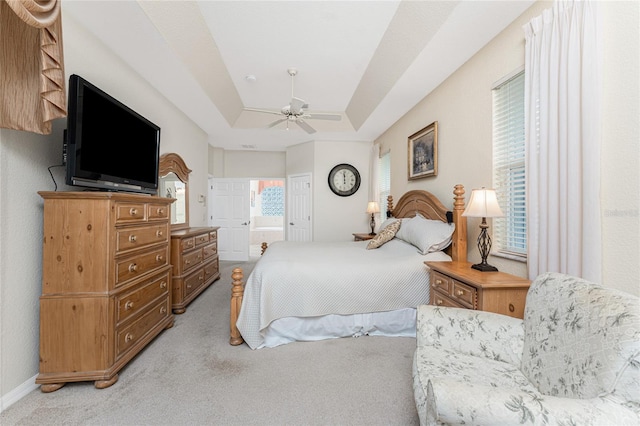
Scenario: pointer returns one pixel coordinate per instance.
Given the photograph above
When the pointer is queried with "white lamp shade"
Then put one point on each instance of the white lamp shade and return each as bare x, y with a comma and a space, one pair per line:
372, 207
483, 203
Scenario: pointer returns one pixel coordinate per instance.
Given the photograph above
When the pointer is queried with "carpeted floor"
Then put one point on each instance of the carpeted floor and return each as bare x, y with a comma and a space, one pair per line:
190, 375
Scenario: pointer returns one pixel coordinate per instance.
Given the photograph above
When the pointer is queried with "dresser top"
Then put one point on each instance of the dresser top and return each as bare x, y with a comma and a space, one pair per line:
105, 195
189, 232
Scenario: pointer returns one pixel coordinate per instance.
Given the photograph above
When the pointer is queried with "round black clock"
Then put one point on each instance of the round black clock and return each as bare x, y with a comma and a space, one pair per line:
344, 180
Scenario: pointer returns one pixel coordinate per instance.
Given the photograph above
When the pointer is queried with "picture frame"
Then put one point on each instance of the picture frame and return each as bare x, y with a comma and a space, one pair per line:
423, 153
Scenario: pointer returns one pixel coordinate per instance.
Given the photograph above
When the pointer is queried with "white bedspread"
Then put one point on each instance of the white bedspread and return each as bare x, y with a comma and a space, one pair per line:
316, 279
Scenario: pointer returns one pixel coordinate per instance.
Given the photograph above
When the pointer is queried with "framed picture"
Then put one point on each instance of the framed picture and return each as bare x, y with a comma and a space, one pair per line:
423, 152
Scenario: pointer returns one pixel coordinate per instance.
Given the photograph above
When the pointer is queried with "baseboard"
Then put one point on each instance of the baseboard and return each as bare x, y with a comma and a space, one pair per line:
18, 393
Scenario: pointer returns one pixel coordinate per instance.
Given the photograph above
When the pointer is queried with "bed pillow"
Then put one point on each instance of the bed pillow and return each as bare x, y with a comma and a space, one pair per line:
387, 234
426, 234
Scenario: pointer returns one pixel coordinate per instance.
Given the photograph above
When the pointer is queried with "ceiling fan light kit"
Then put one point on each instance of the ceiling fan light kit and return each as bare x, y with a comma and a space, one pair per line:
296, 111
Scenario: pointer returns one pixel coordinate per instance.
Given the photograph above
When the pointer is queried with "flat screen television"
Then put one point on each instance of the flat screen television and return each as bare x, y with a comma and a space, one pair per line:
109, 146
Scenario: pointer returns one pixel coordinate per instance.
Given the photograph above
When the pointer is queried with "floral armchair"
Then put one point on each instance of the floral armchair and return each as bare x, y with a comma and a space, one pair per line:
573, 360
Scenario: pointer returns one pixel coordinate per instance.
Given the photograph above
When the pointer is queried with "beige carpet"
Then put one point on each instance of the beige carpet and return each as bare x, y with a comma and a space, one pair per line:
190, 375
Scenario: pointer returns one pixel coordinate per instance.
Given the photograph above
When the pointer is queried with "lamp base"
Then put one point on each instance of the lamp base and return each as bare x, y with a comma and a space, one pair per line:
484, 267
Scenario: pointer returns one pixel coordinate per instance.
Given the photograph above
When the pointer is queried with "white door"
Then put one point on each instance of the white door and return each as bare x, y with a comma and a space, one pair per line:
299, 208
229, 209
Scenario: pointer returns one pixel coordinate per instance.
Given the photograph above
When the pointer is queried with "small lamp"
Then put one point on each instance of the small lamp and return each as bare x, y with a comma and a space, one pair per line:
373, 208
483, 203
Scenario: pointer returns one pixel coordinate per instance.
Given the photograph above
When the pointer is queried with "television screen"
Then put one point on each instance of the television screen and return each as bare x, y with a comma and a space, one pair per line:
109, 145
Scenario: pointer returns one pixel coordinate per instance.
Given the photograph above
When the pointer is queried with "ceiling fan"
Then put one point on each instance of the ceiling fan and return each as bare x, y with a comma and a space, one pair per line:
296, 111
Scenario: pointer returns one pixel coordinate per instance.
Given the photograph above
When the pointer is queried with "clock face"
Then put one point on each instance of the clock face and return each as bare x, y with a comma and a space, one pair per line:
344, 180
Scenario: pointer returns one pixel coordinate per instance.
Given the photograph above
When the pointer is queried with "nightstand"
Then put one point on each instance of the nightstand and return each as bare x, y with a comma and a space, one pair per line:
362, 237
456, 284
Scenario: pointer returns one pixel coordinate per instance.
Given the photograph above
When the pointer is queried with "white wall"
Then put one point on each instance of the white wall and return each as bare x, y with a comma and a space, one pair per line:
24, 158
336, 218
462, 107
254, 164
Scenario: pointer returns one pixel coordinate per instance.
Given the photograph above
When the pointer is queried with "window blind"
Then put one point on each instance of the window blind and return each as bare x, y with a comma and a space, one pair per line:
510, 231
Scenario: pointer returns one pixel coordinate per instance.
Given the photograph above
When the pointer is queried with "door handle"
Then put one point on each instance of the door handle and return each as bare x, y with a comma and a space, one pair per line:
244, 223
291, 223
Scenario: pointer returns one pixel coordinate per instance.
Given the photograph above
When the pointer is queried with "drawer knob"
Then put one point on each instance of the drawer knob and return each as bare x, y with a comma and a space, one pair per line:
187, 262
128, 305
201, 278
160, 211
459, 292
439, 302
511, 307
133, 267
133, 211
163, 310
128, 337
159, 233
188, 285
438, 282
159, 258
163, 284
132, 238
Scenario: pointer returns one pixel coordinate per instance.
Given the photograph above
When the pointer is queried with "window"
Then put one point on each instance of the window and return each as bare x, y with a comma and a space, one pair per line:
510, 231
384, 182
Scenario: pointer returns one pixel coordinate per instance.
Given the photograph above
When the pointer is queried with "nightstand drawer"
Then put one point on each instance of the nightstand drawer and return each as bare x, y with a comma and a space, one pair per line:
439, 299
441, 282
463, 293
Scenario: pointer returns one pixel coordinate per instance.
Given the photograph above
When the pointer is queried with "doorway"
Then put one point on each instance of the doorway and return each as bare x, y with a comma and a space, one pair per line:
267, 210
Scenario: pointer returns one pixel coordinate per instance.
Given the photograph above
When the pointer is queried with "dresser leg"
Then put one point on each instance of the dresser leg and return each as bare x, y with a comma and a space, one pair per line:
169, 325
179, 311
51, 387
101, 384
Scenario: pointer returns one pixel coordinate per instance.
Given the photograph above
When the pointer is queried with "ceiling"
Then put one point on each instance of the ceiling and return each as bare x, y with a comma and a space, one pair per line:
369, 61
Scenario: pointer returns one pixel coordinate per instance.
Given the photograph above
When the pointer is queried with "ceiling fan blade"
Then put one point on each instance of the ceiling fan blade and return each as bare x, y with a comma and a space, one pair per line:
296, 105
275, 123
303, 124
266, 111
320, 116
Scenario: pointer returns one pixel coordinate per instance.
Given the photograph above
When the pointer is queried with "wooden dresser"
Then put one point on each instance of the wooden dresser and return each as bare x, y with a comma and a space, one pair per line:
456, 284
194, 256
105, 283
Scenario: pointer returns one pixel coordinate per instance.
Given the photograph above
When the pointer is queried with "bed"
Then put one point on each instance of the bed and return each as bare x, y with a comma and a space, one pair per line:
314, 291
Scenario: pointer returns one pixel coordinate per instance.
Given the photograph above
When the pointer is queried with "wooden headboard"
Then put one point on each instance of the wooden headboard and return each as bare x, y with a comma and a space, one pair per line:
428, 205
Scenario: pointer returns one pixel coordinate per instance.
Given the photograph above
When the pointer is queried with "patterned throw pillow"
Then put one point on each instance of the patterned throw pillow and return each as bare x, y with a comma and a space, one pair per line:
385, 235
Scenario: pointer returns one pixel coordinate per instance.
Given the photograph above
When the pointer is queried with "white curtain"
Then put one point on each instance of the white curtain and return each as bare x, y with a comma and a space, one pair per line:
562, 128
374, 158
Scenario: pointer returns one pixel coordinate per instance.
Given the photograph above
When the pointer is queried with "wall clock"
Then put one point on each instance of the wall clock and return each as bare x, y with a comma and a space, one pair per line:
344, 180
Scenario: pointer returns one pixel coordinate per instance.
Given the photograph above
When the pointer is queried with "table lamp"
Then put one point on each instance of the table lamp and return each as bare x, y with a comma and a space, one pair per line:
483, 203
373, 208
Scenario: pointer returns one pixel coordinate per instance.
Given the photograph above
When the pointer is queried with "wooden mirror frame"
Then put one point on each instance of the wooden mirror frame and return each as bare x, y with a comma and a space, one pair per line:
173, 163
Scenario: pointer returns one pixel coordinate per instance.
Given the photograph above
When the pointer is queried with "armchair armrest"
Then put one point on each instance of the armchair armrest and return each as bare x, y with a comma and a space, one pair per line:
477, 333
451, 401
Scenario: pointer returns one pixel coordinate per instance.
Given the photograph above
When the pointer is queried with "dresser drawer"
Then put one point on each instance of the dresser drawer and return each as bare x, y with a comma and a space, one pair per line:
440, 281
210, 250
130, 212
129, 304
193, 282
128, 336
211, 269
138, 265
192, 259
133, 238
464, 294
202, 239
157, 211
213, 236
187, 244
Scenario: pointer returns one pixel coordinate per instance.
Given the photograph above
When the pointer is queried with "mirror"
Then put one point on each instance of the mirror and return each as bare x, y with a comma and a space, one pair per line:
174, 183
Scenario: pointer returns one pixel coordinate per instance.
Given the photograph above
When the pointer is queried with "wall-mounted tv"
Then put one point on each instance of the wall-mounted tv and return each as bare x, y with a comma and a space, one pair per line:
109, 146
